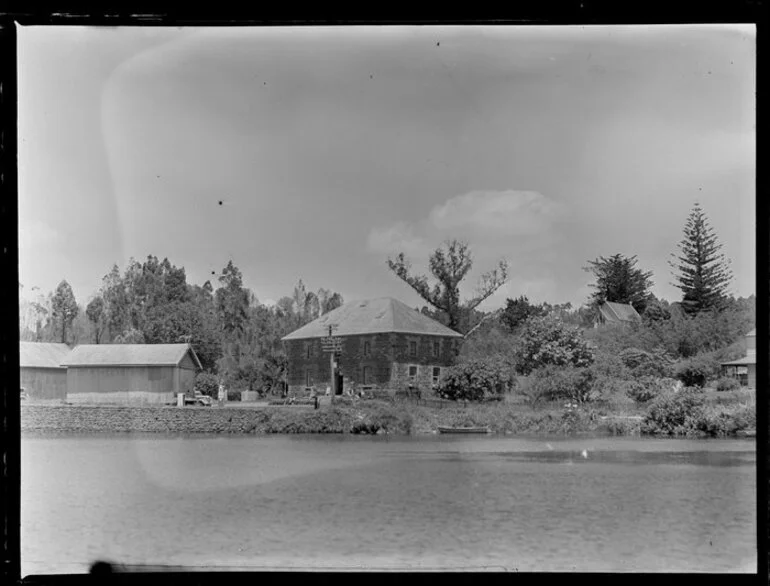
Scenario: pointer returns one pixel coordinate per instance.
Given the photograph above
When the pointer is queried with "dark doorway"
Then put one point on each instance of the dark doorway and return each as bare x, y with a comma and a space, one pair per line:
337, 383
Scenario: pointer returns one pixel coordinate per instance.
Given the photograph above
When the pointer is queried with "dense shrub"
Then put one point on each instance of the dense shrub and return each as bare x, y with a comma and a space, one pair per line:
556, 384
671, 412
207, 383
722, 420
644, 364
647, 388
547, 341
233, 395
477, 379
491, 341
696, 371
727, 383
740, 395
609, 365
613, 393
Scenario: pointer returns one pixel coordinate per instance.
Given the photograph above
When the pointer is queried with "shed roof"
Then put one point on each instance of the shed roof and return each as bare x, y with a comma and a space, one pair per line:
129, 355
42, 355
619, 312
373, 316
749, 359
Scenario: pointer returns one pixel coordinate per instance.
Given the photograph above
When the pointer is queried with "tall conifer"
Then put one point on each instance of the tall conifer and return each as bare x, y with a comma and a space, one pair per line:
701, 271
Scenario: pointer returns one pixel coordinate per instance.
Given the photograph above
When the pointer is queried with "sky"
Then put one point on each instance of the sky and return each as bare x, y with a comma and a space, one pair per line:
333, 148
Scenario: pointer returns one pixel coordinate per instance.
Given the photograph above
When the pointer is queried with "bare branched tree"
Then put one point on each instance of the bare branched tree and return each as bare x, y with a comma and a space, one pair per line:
450, 265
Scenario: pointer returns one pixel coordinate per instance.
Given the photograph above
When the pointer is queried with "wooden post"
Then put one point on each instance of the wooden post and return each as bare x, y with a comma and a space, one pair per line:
331, 370
329, 345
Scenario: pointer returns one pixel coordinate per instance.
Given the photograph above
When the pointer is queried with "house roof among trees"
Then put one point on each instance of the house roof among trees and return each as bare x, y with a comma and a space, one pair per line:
618, 312
746, 360
42, 355
372, 316
130, 355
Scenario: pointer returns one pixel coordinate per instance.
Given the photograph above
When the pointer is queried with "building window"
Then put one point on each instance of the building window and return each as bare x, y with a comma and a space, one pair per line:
367, 348
436, 374
436, 348
367, 375
412, 372
309, 350
412, 348
308, 378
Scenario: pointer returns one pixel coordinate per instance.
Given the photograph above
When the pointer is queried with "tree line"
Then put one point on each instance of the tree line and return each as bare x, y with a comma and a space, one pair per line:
705, 321
238, 338
234, 335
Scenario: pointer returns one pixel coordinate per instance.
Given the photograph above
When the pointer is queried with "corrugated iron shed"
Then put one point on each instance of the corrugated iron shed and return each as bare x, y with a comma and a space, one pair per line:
129, 355
42, 355
372, 316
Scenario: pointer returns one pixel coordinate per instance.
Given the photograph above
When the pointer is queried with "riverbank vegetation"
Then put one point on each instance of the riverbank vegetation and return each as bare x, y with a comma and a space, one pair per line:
689, 414
531, 358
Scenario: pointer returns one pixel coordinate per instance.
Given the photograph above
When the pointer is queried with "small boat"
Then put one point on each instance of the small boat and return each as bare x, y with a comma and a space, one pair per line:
463, 429
747, 433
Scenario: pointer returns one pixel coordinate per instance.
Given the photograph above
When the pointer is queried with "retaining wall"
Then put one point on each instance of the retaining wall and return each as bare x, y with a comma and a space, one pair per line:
115, 419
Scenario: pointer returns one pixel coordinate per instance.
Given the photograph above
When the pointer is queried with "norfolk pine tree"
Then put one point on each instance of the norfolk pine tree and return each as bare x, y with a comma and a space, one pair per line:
701, 271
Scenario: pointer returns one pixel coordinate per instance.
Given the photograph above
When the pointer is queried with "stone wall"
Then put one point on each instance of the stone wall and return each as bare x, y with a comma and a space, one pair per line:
388, 362
116, 419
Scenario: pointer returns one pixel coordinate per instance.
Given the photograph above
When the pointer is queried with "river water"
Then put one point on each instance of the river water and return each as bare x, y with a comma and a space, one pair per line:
412, 503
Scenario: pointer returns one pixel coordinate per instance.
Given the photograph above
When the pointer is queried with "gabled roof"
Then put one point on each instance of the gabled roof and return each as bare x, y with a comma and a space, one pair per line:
749, 359
372, 316
618, 312
42, 355
129, 355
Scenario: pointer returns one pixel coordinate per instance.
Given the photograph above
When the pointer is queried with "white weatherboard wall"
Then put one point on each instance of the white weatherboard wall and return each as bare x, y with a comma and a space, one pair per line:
132, 384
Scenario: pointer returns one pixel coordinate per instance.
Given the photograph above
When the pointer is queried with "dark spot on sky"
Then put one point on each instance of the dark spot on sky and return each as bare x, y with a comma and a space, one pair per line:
213, 273
220, 202
371, 77
438, 44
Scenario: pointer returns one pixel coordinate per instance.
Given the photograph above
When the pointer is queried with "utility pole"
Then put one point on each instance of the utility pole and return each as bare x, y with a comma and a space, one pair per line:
332, 346
331, 368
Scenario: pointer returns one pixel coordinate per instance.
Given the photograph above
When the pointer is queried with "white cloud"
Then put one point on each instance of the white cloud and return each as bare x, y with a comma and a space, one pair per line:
503, 212
493, 222
520, 226
399, 237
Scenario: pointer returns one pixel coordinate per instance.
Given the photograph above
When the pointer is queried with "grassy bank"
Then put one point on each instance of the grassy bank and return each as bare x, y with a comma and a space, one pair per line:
376, 417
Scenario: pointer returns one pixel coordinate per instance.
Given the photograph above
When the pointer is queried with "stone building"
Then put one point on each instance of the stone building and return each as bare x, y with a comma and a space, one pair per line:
40, 368
130, 373
385, 346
